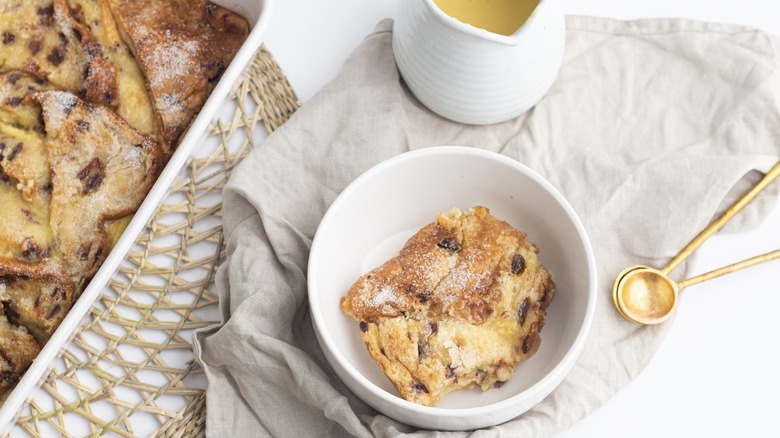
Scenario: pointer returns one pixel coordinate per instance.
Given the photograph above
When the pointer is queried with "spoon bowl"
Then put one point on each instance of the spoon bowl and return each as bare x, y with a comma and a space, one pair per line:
645, 295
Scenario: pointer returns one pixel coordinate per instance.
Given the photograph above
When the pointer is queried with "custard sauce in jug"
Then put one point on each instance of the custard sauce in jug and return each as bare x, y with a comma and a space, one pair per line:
498, 16
479, 61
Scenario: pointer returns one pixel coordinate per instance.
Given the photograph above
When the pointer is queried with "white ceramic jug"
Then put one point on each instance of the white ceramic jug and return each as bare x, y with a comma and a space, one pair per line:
473, 76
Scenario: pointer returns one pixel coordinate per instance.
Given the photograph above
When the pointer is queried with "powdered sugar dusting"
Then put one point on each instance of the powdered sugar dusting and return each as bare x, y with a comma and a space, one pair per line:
461, 279
386, 299
173, 60
56, 106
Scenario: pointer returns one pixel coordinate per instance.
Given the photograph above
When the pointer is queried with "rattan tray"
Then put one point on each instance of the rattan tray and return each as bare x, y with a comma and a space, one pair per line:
129, 369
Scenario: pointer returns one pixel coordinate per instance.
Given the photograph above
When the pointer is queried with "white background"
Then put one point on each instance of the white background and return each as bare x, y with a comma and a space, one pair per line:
716, 373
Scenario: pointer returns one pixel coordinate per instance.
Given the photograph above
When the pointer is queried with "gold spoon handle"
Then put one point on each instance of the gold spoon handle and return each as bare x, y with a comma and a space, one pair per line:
718, 224
730, 268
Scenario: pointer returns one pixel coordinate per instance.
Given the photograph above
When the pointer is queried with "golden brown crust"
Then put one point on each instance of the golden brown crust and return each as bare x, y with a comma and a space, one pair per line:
183, 47
45, 38
102, 169
100, 77
460, 306
17, 351
36, 296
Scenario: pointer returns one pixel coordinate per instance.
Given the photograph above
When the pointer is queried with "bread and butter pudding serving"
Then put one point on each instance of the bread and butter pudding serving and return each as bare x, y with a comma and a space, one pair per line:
459, 307
95, 96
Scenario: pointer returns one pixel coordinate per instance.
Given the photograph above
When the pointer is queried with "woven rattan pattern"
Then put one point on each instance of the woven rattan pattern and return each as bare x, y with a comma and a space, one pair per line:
129, 370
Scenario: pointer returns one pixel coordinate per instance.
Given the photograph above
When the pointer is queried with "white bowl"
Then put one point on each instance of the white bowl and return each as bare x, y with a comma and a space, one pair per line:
370, 221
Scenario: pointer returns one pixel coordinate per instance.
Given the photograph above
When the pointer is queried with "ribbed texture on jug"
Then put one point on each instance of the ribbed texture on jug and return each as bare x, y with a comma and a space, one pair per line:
473, 76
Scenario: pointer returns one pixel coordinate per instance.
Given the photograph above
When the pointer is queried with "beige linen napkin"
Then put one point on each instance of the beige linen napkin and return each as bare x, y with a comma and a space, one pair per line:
651, 127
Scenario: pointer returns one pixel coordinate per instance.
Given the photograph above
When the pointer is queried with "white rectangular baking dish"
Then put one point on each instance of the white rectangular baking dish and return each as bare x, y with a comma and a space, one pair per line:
258, 13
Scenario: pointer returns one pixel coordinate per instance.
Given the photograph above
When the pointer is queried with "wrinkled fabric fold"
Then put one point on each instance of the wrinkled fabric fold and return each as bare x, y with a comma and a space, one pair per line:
651, 129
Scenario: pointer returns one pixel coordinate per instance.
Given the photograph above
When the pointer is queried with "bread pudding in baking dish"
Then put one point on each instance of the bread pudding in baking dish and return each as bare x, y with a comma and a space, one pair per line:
94, 98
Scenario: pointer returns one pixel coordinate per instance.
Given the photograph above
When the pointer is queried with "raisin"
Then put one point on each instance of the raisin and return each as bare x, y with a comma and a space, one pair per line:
32, 251
518, 264
421, 387
433, 327
98, 254
83, 251
13, 101
220, 67
363, 326
68, 106
82, 126
9, 377
13, 77
498, 384
92, 175
54, 310
450, 371
93, 50
35, 46
424, 297
10, 312
545, 295
450, 244
47, 15
528, 342
55, 57
422, 349
8, 38
58, 293
16, 150
47, 11
6, 359
522, 312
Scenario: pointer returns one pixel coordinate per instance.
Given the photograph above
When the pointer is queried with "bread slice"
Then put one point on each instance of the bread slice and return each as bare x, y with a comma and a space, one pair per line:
24, 171
22, 151
131, 98
36, 296
45, 38
183, 46
459, 307
17, 351
101, 168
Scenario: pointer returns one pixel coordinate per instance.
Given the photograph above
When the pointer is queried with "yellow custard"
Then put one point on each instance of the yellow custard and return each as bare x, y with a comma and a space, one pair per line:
498, 16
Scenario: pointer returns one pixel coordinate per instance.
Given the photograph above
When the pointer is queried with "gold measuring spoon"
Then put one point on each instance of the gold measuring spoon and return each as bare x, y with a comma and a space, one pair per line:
648, 296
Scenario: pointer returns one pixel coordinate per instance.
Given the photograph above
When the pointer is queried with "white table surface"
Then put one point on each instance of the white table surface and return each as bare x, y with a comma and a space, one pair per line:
716, 373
